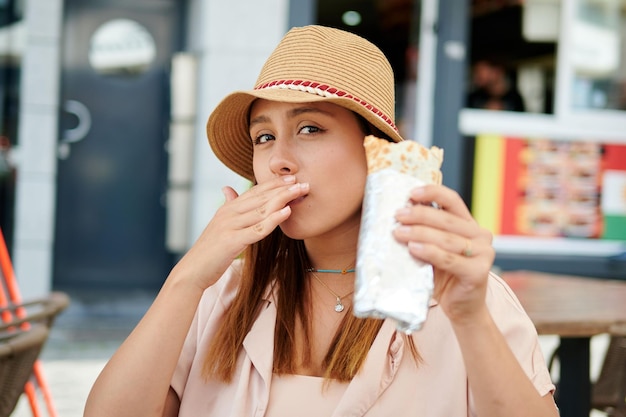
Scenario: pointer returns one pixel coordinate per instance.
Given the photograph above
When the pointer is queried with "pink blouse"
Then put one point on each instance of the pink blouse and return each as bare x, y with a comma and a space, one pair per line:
292, 395
389, 382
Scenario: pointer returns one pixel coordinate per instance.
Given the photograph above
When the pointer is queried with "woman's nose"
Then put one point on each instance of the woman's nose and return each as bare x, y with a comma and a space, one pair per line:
283, 158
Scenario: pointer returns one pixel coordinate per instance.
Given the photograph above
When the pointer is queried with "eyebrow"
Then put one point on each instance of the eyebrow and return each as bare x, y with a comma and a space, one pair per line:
259, 119
303, 110
291, 114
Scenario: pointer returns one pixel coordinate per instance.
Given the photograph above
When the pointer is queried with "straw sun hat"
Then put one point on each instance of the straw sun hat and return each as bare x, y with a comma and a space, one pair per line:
310, 64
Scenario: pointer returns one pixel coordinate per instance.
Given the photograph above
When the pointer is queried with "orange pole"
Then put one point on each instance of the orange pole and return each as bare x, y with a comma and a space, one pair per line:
5, 268
44, 388
7, 271
29, 390
9, 276
6, 314
14, 293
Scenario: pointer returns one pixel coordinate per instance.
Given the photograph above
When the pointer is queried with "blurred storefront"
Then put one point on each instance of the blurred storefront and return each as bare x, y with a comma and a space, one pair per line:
115, 178
550, 180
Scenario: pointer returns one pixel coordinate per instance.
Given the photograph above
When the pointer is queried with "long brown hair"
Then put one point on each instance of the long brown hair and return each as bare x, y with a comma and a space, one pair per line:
280, 262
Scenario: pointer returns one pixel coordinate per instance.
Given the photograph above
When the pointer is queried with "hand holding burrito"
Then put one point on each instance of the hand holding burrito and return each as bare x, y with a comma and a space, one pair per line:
389, 281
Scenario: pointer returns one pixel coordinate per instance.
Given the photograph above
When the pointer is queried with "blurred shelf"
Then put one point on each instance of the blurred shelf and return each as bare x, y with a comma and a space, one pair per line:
527, 245
607, 127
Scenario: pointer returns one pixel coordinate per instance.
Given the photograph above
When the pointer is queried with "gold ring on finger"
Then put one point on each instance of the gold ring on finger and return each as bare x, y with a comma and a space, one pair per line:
467, 251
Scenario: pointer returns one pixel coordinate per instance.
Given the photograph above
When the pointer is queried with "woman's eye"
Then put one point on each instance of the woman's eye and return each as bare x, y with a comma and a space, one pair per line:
264, 138
310, 129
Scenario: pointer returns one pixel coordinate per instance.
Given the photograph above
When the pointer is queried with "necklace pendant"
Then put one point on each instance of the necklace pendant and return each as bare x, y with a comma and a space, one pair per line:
339, 305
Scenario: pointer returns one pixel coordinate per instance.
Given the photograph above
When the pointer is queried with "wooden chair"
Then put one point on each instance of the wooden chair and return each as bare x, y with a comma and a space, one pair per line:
24, 329
18, 353
609, 391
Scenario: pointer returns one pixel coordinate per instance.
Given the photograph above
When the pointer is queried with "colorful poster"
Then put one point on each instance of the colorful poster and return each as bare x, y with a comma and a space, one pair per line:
549, 188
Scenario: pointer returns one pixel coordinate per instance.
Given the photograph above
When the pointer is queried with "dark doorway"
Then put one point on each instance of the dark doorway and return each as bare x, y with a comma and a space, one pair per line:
11, 22
112, 169
393, 26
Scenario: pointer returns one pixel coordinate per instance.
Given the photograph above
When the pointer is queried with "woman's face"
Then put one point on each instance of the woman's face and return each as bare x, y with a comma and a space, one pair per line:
321, 144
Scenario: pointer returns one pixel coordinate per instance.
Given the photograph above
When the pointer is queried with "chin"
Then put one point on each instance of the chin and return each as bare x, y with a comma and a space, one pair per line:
293, 232
297, 228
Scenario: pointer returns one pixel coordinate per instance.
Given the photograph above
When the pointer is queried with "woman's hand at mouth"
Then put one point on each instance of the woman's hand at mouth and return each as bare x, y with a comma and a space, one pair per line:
242, 220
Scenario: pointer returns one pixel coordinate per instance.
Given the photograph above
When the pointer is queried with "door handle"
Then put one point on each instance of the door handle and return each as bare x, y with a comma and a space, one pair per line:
78, 133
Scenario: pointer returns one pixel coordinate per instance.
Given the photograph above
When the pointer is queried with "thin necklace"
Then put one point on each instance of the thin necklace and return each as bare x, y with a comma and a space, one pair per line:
339, 307
331, 271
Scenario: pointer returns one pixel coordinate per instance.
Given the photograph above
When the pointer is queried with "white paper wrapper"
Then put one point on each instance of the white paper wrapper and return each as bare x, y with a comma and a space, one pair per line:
390, 283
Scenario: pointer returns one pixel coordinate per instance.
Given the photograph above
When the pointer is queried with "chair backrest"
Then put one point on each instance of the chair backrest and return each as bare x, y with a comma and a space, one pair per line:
43, 310
18, 352
609, 391
24, 329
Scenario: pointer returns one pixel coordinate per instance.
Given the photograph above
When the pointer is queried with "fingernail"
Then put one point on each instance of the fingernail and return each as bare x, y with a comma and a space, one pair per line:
415, 246
299, 186
417, 192
404, 211
289, 178
403, 230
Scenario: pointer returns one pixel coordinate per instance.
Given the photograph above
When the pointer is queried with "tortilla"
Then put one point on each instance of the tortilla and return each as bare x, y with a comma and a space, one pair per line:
408, 157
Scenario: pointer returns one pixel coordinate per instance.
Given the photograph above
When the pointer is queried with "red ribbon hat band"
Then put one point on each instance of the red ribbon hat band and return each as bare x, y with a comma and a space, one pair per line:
311, 63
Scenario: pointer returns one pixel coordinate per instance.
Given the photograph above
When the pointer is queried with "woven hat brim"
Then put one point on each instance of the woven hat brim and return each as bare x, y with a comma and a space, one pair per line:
227, 126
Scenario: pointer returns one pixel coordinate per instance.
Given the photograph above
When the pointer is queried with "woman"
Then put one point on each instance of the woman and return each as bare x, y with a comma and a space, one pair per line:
260, 334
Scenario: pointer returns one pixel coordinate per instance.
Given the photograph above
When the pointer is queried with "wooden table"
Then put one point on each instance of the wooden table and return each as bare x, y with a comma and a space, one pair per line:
574, 308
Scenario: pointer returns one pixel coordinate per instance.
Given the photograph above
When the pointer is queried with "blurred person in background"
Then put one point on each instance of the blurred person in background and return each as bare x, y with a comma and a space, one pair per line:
492, 88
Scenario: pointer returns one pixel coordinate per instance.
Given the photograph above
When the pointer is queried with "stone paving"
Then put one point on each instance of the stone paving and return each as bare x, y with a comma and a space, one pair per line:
85, 336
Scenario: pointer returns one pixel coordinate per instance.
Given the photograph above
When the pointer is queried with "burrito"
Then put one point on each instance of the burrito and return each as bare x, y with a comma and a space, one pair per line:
390, 283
